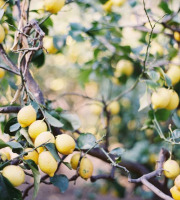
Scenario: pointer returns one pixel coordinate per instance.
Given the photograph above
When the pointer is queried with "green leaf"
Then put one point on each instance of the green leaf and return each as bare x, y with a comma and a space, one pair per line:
53, 121
59, 42
144, 101
86, 141
15, 127
151, 84
162, 114
60, 181
36, 175
15, 146
12, 126
155, 76
176, 134
38, 58
164, 6
67, 165
71, 121
117, 151
51, 147
168, 80
176, 120
3, 144
1, 13
26, 135
8, 191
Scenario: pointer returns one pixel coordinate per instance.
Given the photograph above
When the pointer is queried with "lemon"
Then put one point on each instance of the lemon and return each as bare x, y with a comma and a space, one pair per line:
26, 116
49, 45
177, 36
33, 155
96, 109
6, 28
156, 48
5, 155
171, 169
85, 168
47, 163
160, 98
177, 182
2, 73
2, 34
124, 67
42, 138
14, 174
118, 2
2, 2
65, 144
175, 193
36, 128
113, 108
54, 6
108, 6
75, 160
174, 100
174, 74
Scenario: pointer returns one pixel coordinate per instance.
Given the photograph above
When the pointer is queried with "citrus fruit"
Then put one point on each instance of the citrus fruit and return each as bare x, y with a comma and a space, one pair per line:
36, 128
47, 163
53, 6
96, 109
6, 28
26, 116
14, 174
49, 45
75, 160
5, 155
2, 3
177, 36
107, 6
174, 100
156, 48
171, 169
118, 2
33, 155
177, 182
174, 74
175, 193
113, 108
2, 34
2, 73
85, 168
160, 98
124, 67
42, 138
65, 144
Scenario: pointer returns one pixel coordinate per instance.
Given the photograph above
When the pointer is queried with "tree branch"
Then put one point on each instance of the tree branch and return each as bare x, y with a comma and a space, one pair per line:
10, 109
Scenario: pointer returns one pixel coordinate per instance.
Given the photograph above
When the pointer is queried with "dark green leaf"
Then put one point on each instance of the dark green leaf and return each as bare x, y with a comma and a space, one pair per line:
86, 141
176, 120
26, 135
60, 181
51, 147
53, 121
176, 134
67, 165
15, 127
164, 6
38, 58
3, 144
12, 126
117, 152
162, 114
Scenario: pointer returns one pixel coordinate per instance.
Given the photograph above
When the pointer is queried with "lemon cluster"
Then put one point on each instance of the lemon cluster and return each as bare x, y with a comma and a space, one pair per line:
108, 5
85, 165
165, 98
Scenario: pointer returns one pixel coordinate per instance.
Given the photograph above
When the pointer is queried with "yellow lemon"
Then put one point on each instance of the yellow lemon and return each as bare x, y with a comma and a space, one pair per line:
174, 74
47, 163
174, 100
171, 169
65, 144
54, 6
107, 6
118, 2
85, 168
2, 73
113, 108
96, 109
33, 155
160, 98
75, 160
2, 34
177, 36
156, 48
2, 3
6, 28
26, 116
175, 193
49, 45
42, 138
14, 174
124, 67
5, 155
36, 128
177, 182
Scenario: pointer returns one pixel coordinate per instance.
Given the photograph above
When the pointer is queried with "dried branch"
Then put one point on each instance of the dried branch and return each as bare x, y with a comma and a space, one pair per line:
9, 70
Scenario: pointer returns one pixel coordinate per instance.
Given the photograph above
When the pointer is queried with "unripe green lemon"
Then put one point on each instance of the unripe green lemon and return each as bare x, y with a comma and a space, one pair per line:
47, 163
54, 6
2, 73
49, 45
174, 74
174, 100
113, 107
175, 193
33, 155
42, 138
65, 144
75, 160
85, 168
171, 169
14, 174
26, 116
36, 128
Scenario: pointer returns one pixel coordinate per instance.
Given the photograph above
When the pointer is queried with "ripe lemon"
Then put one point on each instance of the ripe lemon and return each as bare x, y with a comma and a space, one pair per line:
113, 108
33, 155
175, 193
49, 45
156, 48
124, 67
85, 168
42, 138
75, 160
26, 116
6, 28
36, 128
108, 6
118, 2
2, 34
177, 36
174, 100
96, 109
65, 144
177, 182
174, 74
171, 169
47, 163
160, 98
2, 2
14, 174
54, 6
2, 73
5, 155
